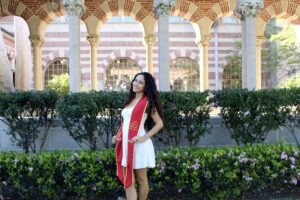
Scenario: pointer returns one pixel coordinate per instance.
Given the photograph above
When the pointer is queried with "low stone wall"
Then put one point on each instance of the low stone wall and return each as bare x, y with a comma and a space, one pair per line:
59, 138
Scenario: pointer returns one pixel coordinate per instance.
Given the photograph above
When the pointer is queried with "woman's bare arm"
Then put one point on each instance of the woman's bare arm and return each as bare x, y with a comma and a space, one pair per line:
158, 124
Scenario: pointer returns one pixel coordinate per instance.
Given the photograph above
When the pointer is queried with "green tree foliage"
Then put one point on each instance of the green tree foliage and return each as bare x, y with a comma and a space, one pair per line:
291, 82
232, 76
281, 52
280, 57
60, 84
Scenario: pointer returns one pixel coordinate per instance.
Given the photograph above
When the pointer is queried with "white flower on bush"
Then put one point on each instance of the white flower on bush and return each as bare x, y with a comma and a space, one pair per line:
221, 171
282, 171
242, 158
293, 167
4, 183
75, 156
30, 169
195, 166
294, 181
16, 161
248, 178
298, 174
274, 176
94, 188
267, 168
293, 160
246, 113
230, 153
284, 155
215, 156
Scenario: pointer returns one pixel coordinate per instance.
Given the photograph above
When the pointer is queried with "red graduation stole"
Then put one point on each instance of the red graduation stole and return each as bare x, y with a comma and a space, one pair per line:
126, 174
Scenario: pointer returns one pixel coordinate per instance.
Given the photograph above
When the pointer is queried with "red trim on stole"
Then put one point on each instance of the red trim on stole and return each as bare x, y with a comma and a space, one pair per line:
125, 175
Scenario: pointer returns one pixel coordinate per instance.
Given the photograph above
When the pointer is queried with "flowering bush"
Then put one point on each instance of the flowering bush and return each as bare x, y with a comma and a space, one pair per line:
204, 173
221, 173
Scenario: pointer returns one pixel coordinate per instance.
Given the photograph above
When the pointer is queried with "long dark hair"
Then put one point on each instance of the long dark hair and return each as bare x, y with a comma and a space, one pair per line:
151, 92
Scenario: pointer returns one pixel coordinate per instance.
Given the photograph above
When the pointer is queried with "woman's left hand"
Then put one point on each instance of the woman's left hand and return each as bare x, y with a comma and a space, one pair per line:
137, 139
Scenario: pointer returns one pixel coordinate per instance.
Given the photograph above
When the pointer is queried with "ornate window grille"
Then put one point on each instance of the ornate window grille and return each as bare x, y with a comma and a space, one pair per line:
184, 75
120, 73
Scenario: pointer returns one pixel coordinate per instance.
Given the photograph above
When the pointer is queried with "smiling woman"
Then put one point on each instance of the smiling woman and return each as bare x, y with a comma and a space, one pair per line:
135, 151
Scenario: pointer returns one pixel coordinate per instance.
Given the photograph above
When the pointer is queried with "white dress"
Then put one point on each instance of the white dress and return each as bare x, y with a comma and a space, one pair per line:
144, 151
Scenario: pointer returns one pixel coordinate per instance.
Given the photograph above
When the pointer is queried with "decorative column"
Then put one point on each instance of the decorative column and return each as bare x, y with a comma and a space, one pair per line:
74, 9
248, 10
162, 9
259, 42
93, 40
149, 40
216, 60
37, 42
203, 48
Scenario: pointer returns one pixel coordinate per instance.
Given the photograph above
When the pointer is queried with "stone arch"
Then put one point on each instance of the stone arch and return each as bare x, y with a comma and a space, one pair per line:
224, 8
184, 54
126, 53
202, 20
37, 16
52, 56
39, 10
191, 11
112, 8
16, 8
282, 9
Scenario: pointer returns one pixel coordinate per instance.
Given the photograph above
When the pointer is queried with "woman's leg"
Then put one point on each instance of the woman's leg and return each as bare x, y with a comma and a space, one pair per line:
131, 191
142, 179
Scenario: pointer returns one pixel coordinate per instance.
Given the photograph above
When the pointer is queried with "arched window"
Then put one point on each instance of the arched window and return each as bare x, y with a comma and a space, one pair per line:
232, 75
120, 73
56, 67
184, 75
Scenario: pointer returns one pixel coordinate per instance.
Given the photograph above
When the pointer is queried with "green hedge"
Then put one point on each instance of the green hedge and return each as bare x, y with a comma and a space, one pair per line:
248, 115
25, 114
186, 115
204, 173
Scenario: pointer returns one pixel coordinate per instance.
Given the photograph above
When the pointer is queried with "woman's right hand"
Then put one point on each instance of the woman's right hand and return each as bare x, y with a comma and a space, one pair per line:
115, 139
